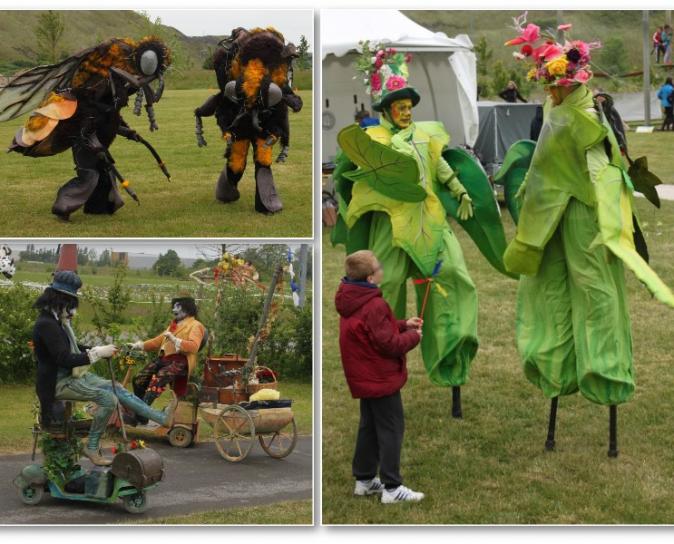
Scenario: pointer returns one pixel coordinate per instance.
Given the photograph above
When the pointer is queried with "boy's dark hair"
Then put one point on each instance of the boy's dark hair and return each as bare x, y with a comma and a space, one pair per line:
358, 265
188, 305
669, 80
51, 299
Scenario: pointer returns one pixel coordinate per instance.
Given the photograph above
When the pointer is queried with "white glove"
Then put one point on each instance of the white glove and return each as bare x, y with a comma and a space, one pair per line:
173, 338
101, 352
137, 345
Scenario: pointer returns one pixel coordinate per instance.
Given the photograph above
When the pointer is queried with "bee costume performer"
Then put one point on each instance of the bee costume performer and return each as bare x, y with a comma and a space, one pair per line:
396, 183
78, 107
576, 232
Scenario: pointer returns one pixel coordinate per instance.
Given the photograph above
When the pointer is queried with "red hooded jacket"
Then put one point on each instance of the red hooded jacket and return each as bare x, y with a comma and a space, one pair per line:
372, 342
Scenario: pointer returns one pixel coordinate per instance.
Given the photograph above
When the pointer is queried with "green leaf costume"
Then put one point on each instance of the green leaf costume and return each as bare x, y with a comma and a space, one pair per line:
394, 191
576, 230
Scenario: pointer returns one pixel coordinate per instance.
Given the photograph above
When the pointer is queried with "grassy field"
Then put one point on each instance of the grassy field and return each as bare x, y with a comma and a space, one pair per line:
183, 207
295, 512
491, 466
16, 418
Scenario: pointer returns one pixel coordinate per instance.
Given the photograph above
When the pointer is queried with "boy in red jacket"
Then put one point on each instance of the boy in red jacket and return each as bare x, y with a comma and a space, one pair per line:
373, 345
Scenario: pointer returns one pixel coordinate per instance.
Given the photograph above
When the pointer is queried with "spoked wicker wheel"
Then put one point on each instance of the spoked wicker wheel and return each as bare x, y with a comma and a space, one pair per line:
281, 443
234, 433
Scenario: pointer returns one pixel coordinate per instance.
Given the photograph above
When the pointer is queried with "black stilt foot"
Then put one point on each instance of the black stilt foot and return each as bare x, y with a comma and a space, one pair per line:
613, 431
456, 402
550, 442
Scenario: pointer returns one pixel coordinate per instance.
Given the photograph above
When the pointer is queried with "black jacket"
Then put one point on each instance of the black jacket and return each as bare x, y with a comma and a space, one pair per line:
52, 350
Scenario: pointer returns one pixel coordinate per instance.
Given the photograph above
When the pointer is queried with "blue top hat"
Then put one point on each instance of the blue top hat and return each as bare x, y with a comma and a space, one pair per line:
66, 281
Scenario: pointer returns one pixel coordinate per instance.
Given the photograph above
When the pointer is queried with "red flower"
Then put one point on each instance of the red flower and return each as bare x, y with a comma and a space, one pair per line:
134, 444
527, 50
114, 450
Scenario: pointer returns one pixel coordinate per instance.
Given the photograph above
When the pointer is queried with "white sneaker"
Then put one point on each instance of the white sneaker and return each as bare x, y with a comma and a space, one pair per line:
400, 494
368, 487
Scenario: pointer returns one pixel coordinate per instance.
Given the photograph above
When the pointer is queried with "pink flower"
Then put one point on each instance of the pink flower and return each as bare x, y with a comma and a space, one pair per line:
582, 76
380, 54
375, 81
564, 27
395, 82
391, 51
565, 82
530, 34
548, 51
408, 57
378, 63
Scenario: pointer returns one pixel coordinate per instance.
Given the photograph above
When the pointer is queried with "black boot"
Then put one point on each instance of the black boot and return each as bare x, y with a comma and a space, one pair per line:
225, 189
550, 442
456, 402
613, 431
266, 197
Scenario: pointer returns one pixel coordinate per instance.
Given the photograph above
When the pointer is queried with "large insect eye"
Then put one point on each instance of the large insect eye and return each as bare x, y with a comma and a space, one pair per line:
230, 91
149, 62
274, 95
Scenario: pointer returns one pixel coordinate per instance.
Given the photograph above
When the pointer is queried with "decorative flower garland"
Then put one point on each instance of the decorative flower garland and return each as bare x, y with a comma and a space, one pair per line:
382, 69
554, 63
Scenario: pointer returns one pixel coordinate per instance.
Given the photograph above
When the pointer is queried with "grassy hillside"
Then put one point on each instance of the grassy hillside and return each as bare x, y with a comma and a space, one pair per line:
19, 49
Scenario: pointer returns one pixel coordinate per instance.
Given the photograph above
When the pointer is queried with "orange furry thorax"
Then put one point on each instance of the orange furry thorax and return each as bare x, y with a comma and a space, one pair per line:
253, 74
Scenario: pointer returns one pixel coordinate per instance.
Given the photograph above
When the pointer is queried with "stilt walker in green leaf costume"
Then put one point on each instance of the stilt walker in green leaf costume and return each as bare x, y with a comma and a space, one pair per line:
395, 185
576, 232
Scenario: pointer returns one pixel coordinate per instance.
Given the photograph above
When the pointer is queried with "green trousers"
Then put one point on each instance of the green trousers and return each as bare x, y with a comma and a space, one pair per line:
449, 341
573, 325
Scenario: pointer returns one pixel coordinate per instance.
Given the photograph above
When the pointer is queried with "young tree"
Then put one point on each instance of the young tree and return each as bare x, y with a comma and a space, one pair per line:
168, 264
48, 34
304, 57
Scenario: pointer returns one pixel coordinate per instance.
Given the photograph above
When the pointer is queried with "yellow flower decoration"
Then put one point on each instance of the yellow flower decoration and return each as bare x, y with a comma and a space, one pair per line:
557, 67
531, 75
125, 183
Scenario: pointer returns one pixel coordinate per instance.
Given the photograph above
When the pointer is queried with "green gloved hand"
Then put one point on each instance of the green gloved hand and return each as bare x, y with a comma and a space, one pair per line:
465, 210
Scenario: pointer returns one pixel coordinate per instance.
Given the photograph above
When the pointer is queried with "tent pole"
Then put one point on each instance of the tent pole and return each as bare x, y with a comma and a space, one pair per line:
647, 71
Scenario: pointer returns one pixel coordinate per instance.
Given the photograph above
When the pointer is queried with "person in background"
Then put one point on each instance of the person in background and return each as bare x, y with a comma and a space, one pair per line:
511, 93
536, 124
666, 37
665, 97
364, 119
657, 44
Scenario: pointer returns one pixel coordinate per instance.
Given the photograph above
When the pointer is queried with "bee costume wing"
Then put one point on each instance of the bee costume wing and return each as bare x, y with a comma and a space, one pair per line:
26, 91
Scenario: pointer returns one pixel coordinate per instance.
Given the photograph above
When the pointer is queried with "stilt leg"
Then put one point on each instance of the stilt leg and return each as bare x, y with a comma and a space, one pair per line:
613, 431
456, 402
550, 442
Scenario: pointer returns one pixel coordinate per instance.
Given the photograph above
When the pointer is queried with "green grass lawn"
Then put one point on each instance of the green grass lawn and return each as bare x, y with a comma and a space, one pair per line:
184, 207
294, 512
16, 417
491, 466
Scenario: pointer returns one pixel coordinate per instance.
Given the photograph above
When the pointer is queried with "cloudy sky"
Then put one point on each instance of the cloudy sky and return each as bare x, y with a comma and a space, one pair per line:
291, 23
185, 249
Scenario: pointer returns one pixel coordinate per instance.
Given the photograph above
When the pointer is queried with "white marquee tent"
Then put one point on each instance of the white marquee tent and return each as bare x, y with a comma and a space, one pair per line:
442, 70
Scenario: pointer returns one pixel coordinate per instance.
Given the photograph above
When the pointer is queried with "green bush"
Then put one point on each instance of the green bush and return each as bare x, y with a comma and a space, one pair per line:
288, 347
16, 331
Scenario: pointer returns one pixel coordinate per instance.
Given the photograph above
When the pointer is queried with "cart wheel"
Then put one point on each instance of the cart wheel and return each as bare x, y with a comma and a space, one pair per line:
234, 433
180, 437
135, 504
31, 494
281, 443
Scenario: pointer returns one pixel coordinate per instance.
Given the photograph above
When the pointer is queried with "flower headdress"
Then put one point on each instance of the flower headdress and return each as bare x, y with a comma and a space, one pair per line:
554, 63
385, 75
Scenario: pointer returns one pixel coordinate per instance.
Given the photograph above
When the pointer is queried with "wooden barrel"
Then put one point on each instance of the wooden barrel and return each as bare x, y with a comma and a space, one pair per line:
141, 468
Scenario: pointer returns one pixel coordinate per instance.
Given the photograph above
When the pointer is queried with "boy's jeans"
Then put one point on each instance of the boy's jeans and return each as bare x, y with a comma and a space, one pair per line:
380, 439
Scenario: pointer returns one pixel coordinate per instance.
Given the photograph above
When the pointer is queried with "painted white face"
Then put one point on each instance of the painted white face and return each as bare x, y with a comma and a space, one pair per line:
178, 312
